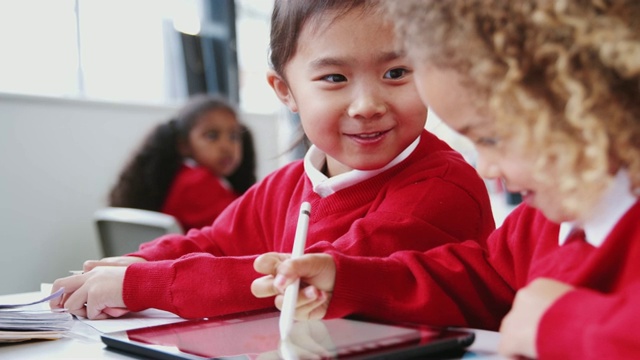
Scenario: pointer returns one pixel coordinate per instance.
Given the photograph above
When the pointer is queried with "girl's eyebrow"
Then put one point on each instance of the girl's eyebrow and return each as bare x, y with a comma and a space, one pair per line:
383, 57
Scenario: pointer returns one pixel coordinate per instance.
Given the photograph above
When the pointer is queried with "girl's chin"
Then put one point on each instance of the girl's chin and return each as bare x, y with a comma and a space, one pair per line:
557, 214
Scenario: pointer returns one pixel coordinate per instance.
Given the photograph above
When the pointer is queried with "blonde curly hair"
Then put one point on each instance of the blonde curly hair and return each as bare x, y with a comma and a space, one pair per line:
561, 77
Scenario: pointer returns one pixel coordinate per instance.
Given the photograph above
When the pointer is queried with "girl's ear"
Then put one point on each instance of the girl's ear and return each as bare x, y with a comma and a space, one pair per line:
280, 87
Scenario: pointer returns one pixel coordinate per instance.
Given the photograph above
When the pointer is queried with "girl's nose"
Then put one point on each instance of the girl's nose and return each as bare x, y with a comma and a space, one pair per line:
367, 105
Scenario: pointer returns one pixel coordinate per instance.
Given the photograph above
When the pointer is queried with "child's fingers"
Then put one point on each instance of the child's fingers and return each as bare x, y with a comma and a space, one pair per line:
262, 287
268, 263
79, 312
115, 312
309, 300
111, 261
76, 301
313, 307
70, 285
314, 269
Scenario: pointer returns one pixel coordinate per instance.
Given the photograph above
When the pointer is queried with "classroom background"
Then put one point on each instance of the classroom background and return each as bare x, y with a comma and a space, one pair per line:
82, 81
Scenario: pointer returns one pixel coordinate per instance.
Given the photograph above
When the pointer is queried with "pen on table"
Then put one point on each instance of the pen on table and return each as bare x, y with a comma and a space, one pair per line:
291, 292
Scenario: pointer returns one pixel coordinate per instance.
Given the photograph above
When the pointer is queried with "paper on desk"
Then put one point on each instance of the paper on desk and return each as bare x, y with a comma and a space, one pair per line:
35, 320
132, 320
34, 302
28, 318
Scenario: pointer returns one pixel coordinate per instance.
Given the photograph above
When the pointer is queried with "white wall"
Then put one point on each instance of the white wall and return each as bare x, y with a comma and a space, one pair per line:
58, 159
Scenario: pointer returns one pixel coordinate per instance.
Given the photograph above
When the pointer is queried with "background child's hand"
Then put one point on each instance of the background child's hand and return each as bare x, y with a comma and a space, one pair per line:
317, 273
96, 294
111, 261
519, 327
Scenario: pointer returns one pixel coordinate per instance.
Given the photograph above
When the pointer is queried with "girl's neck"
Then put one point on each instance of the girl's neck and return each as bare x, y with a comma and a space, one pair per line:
333, 167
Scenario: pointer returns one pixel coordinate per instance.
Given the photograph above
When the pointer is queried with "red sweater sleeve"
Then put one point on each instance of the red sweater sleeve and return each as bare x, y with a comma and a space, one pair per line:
448, 286
431, 198
451, 285
198, 285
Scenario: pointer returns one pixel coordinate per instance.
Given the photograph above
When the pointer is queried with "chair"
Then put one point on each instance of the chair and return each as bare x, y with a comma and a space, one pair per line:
122, 230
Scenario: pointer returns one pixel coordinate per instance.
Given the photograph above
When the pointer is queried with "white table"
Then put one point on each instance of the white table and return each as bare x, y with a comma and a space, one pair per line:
83, 342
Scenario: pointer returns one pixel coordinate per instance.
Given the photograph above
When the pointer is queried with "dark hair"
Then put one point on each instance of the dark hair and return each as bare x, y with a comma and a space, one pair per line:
145, 180
245, 175
288, 18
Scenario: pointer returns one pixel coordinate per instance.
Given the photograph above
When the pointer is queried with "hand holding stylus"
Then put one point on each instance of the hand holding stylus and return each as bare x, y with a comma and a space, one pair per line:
291, 292
316, 271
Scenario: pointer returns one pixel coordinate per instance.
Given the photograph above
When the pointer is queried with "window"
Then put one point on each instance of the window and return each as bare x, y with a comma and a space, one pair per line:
120, 50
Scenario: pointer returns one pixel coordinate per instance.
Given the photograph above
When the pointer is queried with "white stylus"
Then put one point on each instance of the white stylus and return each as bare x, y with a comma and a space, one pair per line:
291, 292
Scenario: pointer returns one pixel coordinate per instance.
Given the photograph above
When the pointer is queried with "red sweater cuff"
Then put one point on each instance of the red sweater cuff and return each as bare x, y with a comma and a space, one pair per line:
355, 290
145, 286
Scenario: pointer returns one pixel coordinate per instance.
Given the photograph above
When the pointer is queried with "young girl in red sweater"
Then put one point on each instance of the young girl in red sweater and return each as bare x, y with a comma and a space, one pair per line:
549, 92
192, 166
377, 182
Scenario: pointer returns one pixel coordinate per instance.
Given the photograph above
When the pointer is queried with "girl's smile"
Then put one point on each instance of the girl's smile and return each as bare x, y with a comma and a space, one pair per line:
369, 138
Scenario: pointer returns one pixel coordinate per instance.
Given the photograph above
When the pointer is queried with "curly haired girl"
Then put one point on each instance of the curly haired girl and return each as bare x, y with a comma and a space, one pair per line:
549, 93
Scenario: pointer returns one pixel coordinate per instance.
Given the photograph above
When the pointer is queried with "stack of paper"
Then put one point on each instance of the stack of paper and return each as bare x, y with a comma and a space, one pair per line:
20, 322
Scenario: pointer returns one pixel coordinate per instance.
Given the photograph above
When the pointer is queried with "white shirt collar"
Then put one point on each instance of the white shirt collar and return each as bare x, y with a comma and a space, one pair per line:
615, 202
324, 186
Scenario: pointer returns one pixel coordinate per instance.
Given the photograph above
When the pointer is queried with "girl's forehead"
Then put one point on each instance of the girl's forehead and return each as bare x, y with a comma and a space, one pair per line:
321, 21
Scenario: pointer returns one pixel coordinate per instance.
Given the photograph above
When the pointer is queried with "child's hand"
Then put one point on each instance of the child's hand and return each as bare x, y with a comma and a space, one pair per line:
96, 294
111, 261
520, 326
317, 273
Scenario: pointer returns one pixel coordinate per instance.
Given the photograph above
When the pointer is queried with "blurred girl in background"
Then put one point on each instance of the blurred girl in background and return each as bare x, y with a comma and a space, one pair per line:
192, 166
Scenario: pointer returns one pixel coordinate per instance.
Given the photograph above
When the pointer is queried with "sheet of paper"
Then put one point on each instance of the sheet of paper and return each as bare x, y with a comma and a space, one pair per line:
149, 317
129, 321
33, 302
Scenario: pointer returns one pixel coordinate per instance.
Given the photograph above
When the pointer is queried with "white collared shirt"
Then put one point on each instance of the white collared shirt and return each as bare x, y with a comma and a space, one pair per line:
324, 186
615, 202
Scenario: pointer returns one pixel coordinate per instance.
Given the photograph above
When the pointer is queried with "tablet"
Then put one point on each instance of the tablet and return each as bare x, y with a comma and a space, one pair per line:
255, 336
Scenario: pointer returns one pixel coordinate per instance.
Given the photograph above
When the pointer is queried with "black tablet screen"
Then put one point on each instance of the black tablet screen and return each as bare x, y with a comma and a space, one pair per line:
257, 337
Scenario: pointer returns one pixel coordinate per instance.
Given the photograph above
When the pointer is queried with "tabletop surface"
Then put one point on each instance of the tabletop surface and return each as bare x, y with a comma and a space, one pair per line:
83, 340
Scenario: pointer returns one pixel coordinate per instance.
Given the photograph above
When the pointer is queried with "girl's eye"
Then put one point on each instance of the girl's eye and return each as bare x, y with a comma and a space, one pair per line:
487, 141
212, 135
334, 78
396, 73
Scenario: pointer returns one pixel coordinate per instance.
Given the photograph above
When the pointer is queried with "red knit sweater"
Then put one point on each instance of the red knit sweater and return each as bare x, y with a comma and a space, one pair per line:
196, 197
459, 284
431, 198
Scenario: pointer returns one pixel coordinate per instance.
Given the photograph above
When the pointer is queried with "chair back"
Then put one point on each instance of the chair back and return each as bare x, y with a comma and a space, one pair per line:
122, 230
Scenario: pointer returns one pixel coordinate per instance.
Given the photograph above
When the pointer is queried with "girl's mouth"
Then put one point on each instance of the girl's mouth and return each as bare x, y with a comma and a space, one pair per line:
369, 138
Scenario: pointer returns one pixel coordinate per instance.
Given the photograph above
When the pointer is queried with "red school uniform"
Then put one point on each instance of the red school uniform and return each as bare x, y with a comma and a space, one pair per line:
430, 198
197, 197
